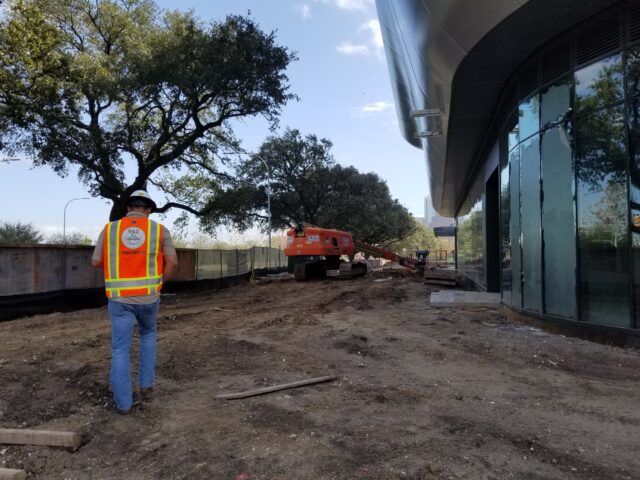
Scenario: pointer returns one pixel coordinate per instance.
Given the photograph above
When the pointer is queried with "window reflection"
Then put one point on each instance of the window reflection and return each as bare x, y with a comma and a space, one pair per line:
513, 134
529, 120
556, 103
558, 223
599, 84
633, 72
470, 236
602, 217
530, 224
634, 172
514, 227
505, 211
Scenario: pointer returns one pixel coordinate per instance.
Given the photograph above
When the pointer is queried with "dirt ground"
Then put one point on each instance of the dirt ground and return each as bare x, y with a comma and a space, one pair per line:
421, 392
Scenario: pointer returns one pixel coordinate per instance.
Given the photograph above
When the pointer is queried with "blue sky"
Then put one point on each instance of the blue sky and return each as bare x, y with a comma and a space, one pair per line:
341, 78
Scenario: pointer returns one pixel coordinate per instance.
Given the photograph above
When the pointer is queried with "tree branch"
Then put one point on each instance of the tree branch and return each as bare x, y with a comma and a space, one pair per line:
187, 208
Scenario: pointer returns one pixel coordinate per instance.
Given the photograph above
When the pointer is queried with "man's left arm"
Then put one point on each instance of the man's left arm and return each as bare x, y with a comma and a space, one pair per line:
170, 267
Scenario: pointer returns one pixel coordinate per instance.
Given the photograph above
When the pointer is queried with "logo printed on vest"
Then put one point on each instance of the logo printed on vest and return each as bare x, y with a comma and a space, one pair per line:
133, 237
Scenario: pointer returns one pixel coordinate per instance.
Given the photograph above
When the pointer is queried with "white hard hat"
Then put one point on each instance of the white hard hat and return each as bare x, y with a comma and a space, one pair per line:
142, 195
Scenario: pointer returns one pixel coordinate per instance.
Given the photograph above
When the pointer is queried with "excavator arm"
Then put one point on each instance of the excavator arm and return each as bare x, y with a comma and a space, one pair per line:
378, 252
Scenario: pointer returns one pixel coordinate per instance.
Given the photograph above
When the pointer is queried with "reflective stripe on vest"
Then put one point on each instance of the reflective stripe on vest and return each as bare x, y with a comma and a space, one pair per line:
133, 257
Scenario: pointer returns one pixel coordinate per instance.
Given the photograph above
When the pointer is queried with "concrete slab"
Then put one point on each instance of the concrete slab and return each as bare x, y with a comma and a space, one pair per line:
458, 298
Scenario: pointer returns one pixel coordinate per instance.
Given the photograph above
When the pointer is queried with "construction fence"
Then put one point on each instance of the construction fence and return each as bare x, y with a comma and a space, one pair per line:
50, 268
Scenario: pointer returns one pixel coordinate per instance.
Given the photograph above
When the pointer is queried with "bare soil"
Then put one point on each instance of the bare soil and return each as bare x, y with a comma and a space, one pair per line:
421, 392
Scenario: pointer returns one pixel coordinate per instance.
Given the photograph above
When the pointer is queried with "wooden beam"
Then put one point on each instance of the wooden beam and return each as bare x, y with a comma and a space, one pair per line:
12, 474
275, 388
40, 437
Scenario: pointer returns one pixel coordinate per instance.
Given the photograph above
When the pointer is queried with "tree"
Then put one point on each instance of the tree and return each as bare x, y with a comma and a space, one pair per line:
606, 224
19, 233
73, 238
361, 203
421, 238
96, 84
308, 186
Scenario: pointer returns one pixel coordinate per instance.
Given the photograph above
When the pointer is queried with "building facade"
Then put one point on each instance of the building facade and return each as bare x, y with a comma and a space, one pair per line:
528, 113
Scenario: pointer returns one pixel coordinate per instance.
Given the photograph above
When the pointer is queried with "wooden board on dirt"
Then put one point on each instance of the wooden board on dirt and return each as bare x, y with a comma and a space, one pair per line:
275, 388
17, 436
12, 474
440, 282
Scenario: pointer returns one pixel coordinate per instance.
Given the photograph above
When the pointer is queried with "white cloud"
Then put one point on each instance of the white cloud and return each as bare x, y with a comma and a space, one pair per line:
304, 10
373, 43
375, 34
351, 5
347, 48
376, 107
362, 5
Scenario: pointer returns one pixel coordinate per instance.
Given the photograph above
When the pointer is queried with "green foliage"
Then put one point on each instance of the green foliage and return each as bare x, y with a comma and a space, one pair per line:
361, 203
73, 238
97, 83
606, 226
19, 233
308, 186
421, 238
600, 132
470, 238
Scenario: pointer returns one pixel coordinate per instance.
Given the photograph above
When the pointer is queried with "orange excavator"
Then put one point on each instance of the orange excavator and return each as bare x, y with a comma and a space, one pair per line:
316, 252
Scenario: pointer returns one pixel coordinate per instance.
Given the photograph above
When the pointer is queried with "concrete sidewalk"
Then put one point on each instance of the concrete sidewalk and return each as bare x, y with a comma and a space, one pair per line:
459, 298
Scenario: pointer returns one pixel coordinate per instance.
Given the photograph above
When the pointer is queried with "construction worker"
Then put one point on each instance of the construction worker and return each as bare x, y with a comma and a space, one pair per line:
137, 255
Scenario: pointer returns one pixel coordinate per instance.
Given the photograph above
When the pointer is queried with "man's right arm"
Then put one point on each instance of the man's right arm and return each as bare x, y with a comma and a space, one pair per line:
97, 261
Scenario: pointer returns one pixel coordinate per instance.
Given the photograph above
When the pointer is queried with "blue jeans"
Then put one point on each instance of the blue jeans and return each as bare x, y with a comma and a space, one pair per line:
123, 316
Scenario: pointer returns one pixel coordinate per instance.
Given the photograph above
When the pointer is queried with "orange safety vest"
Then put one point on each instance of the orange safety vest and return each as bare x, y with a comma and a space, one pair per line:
132, 255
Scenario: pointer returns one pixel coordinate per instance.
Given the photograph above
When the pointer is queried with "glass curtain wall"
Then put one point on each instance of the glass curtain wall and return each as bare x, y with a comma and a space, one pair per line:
601, 161
558, 217
530, 217
570, 196
505, 230
633, 108
470, 236
514, 213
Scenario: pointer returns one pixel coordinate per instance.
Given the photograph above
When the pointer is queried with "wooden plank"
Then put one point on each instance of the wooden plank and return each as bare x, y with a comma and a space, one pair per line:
12, 474
275, 388
40, 437
446, 283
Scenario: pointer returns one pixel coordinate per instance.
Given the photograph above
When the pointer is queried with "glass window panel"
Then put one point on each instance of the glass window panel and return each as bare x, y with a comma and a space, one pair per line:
633, 71
634, 170
529, 118
602, 217
512, 132
505, 221
558, 223
531, 224
470, 237
514, 229
555, 103
599, 84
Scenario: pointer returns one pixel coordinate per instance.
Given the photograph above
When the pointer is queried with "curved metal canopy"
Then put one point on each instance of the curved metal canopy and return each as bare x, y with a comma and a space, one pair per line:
455, 56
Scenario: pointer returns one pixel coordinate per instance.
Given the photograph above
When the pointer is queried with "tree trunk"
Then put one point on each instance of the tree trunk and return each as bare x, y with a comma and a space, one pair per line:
118, 210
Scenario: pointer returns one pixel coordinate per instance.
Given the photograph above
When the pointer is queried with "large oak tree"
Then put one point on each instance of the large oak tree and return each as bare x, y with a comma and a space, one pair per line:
99, 84
307, 185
